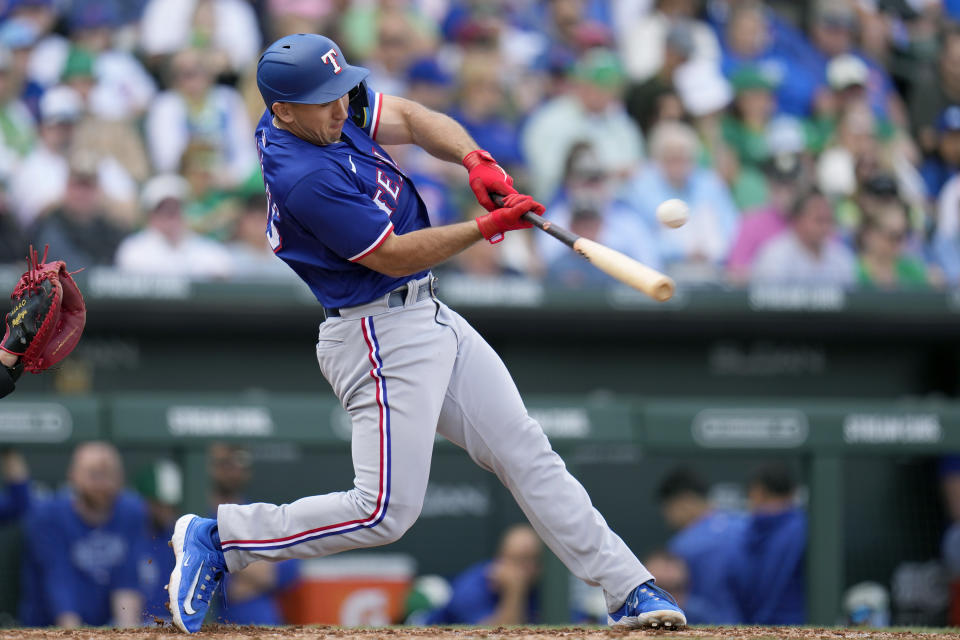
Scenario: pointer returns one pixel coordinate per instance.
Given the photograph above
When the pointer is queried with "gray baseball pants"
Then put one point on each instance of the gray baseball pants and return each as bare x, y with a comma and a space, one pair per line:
404, 374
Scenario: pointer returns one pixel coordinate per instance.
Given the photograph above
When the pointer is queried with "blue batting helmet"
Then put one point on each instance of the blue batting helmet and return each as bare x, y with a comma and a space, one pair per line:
305, 68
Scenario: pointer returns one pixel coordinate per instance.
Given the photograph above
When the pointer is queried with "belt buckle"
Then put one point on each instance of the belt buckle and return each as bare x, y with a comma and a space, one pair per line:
433, 286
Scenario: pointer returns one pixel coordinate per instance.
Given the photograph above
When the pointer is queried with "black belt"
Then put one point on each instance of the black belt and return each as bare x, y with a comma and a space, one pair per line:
397, 297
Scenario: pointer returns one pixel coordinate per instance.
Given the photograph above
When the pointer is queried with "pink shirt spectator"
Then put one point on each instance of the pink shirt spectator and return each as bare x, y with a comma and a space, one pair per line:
314, 9
756, 229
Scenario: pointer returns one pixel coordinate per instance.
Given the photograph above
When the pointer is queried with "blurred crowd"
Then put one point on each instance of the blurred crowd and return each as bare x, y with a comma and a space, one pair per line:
815, 142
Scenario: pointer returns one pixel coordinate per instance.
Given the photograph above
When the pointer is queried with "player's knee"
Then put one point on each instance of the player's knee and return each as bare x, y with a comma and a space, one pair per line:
398, 519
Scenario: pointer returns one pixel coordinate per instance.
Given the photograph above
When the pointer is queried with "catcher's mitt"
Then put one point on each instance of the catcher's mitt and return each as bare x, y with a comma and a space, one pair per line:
47, 317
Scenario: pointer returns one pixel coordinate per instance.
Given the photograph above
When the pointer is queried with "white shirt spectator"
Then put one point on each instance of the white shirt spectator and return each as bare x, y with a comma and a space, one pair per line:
41, 181
223, 123
149, 252
563, 121
785, 260
642, 43
167, 26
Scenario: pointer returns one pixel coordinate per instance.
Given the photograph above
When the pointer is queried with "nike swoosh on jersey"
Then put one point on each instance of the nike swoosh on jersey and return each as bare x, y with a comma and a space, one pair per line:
188, 601
352, 166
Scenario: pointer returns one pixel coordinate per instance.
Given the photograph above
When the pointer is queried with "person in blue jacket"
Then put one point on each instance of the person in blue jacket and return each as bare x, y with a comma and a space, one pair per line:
82, 547
768, 572
705, 537
499, 591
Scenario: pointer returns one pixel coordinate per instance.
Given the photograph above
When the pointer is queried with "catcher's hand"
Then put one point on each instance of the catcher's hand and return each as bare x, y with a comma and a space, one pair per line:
47, 317
29, 311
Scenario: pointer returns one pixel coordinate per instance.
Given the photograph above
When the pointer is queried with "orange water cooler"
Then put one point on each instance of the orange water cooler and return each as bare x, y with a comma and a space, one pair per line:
351, 589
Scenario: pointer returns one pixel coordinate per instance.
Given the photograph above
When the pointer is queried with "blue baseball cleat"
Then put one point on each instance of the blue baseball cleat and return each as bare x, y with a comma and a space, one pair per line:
198, 571
648, 607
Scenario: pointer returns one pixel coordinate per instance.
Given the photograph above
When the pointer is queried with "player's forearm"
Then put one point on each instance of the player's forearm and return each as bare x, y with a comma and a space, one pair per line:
439, 135
403, 255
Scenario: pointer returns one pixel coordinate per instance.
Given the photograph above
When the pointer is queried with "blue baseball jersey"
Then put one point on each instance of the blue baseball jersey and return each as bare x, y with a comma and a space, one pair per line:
330, 206
71, 566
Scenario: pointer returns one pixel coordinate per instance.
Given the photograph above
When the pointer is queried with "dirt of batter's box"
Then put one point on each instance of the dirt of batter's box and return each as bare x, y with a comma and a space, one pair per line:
229, 632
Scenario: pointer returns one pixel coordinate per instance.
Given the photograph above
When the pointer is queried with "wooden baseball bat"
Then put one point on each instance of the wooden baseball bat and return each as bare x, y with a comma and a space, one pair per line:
624, 268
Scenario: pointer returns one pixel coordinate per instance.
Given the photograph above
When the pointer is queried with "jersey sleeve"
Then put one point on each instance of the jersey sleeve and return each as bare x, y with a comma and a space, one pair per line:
374, 105
334, 211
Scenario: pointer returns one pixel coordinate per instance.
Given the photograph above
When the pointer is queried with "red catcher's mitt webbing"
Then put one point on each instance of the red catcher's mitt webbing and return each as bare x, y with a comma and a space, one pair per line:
48, 315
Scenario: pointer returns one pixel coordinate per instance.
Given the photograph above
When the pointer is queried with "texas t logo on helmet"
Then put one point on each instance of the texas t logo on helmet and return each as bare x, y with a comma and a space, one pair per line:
330, 57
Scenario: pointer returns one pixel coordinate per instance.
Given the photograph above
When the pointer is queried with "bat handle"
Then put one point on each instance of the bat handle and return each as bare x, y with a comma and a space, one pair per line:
561, 234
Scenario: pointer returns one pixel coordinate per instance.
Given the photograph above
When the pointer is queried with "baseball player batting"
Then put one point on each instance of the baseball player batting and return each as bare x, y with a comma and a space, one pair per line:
404, 365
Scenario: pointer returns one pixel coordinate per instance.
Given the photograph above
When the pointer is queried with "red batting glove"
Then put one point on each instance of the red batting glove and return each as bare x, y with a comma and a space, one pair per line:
487, 177
494, 224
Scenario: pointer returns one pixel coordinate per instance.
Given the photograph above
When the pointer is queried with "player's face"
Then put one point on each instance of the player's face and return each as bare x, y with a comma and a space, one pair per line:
319, 123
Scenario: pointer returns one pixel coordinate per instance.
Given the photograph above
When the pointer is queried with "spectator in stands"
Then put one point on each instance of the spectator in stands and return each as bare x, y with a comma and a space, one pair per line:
40, 182
591, 111
250, 252
832, 33
210, 210
745, 132
225, 31
13, 241
250, 593
82, 548
942, 164
875, 188
748, 41
482, 108
106, 135
935, 89
704, 539
15, 499
17, 131
46, 58
786, 179
79, 230
361, 27
166, 246
646, 101
696, 250
642, 45
705, 94
767, 572
196, 109
808, 252
284, 17
161, 487
568, 29
123, 89
857, 147
398, 45
20, 37
673, 575
883, 262
500, 591
569, 269
588, 191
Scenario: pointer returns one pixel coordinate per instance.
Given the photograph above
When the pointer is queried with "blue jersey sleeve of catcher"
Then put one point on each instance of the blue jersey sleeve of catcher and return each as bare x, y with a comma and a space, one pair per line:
369, 225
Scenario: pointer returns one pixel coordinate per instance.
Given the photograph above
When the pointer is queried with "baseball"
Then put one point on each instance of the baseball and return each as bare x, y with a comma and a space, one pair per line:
673, 212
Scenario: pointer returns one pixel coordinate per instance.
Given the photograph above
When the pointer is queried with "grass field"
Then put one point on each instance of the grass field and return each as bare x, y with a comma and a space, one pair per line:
224, 632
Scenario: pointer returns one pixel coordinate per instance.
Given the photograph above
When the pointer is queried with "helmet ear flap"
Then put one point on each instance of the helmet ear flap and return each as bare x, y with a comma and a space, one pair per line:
359, 105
